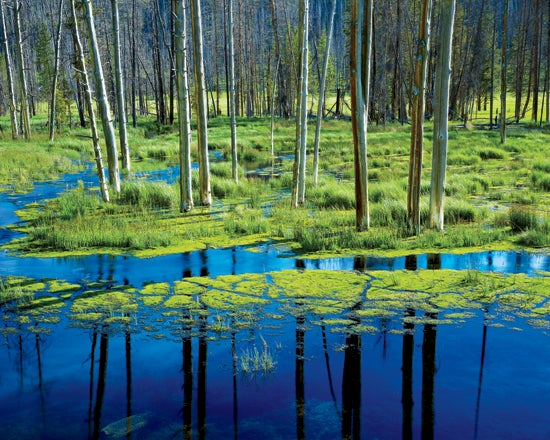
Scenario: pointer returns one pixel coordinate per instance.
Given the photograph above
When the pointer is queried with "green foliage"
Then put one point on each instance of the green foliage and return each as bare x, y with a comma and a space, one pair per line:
148, 194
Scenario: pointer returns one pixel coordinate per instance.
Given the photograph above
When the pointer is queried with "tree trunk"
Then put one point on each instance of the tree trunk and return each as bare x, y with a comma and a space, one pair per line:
89, 104
202, 103
55, 71
119, 78
11, 88
103, 103
231, 59
322, 90
134, 66
441, 116
536, 63
26, 121
417, 132
182, 88
360, 61
503, 67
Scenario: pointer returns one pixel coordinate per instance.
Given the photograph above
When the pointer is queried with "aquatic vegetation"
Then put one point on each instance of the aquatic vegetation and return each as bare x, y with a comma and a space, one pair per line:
253, 361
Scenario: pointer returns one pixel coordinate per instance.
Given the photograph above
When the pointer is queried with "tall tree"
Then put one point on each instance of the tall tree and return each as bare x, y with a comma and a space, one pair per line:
90, 107
417, 132
231, 74
202, 103
120, 97
360, 61
102, 101
55, 70
441, 116
322, 90
11, 88
26, 120
503, 68
182, 87
299, 171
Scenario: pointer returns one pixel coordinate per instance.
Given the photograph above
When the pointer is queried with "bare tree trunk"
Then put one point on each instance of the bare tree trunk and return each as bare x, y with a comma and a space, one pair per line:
182, 88
119, 78
102, 101
5, 47
322, 90
21, 64
536, 63
231, 59
134, 65
503, 68
55, 71
89, 104
441, 116
360, 61
417, 133
202, 104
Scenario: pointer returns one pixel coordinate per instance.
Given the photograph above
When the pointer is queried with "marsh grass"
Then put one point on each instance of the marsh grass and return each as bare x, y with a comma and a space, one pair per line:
253, 361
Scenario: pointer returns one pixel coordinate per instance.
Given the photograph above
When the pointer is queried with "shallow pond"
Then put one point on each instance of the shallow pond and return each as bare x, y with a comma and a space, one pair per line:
246, 344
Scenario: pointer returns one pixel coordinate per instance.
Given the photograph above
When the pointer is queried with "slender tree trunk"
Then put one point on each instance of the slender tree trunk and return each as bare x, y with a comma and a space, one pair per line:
134, 65
26, 121
231, 59
202, 104
503, 68
536, 63
417, 133
441, 116
102, 101
322, 91
11, 88
55, 71
182, 88
89, 104
492, 79
360, 61
119, 78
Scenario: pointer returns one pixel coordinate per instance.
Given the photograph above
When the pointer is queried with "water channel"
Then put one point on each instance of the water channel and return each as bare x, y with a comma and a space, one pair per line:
277, 368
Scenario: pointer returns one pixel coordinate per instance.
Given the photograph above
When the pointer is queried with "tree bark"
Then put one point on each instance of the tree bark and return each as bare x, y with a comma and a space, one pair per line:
89, 104
182, 88
202, 104
11, 88
503, 68
55, 71
360, 61
102, 101
26, 121
441, 116
417, 132
231, 60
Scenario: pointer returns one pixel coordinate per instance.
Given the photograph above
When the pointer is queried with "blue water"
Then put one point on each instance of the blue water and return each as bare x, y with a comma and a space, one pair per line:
486, 377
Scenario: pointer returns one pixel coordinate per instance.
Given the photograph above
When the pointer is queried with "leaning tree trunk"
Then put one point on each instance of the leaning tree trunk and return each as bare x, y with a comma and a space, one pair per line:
102, 101
11, 89
89, 103
360, 60
119, 78
503, 68
202, 104
55, 71
231, 73
441, 116
321, 103
21, 64
417, 133
184, 113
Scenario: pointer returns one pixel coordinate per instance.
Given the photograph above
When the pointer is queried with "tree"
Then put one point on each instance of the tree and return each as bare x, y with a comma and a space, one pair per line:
503, 66
55, 71
202, 103
89, 103
102, 101
11, 90
231, 73
441, 116
299, 171
360, 61
17, 5
417, 131
119, 79
322, 90
182, 87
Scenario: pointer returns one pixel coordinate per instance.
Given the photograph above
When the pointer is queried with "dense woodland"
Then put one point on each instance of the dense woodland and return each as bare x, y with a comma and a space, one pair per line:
269, 58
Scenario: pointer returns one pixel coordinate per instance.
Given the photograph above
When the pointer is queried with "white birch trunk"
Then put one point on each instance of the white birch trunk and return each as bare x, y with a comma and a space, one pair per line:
11, 88
21, 64
202, 104
102, 101
53, 105
441, 115
184, 113
234, 160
